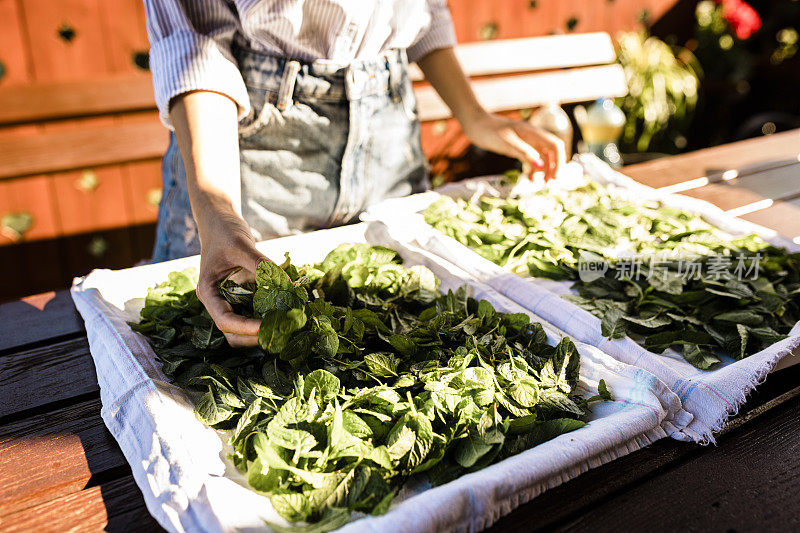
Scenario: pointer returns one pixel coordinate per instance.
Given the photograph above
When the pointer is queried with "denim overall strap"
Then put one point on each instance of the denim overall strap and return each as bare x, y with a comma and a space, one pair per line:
288, 80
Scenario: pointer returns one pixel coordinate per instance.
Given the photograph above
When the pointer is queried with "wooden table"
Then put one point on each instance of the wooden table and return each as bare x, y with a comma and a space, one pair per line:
60, 469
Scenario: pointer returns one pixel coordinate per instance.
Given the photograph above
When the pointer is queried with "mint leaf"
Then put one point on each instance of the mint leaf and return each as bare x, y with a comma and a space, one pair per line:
277, 328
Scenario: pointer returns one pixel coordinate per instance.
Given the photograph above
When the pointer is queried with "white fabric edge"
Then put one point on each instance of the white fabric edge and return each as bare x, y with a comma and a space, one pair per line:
405, 213
180, 520
190, 511
716, 216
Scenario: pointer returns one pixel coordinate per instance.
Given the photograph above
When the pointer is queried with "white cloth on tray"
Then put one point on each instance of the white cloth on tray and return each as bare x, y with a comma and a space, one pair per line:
710, 396
180, 465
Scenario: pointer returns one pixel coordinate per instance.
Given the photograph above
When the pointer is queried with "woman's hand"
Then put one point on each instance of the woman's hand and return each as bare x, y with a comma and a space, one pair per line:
533, 146
226, 248
538, 148
206, 127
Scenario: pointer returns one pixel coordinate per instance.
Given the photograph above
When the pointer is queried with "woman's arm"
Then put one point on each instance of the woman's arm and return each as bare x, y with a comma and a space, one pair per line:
200, 94
206, 127
517, 139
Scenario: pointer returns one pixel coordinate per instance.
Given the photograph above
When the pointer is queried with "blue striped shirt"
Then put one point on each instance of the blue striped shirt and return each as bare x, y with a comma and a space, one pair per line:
191, 40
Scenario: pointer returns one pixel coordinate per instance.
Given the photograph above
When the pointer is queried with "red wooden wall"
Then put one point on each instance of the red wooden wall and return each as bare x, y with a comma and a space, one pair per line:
103, 217
526, 18
85, 218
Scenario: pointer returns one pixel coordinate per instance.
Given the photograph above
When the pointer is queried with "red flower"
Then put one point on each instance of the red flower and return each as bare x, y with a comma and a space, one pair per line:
743, 19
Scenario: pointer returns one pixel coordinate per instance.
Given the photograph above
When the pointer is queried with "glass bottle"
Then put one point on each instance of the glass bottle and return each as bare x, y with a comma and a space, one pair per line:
601, 126
555, 120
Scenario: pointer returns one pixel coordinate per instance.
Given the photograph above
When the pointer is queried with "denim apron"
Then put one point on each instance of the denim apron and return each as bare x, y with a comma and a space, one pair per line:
322, 142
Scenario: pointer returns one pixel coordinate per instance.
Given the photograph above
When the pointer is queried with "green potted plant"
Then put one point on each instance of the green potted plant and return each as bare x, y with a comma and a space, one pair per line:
663, 84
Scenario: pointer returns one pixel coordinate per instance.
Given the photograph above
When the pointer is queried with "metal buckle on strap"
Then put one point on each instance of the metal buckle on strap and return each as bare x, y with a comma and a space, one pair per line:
288, 80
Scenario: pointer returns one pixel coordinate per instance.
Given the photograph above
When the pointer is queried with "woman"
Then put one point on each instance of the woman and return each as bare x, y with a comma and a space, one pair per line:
294, 115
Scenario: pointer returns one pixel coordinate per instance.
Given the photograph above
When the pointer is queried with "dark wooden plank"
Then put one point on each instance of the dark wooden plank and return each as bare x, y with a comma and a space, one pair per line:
563, 504
44, 375
31, 267
604, 482
76, 149
143, 239
55, 454
85, 252
780, 148
52, 264
38, 318
749, 482
113, 506
49, 101
133, 521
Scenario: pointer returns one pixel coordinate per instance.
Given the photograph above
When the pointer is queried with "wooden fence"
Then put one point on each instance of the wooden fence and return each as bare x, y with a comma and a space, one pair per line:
60, 40
103, 217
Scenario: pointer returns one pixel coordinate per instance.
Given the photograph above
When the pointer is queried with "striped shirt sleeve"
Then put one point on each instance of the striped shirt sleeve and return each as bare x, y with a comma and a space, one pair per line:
190, 49
439, 34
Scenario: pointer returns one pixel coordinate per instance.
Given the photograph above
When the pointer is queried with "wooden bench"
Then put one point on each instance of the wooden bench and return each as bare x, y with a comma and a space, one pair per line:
80, 179
530, 72
79, 161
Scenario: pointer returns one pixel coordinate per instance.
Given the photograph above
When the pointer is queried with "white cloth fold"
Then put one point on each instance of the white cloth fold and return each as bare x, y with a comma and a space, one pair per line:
709, 396
188, 486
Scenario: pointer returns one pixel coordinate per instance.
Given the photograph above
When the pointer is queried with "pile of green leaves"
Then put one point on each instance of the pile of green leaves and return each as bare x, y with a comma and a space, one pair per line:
547, 234
365, 376
701, 317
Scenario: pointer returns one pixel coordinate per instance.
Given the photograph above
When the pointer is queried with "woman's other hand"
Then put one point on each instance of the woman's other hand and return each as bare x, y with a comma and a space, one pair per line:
518, 139
521, 140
